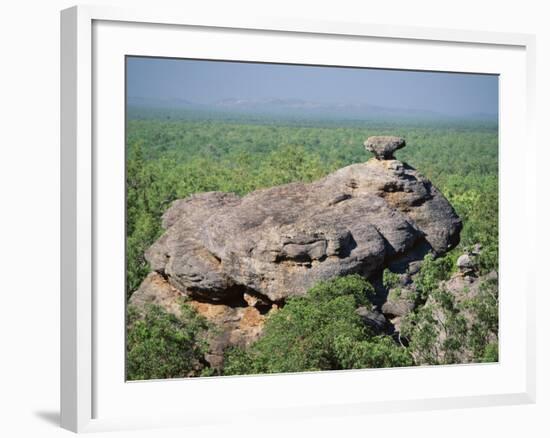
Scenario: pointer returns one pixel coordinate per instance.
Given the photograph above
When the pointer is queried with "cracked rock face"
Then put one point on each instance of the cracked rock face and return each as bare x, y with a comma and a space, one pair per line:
278, 242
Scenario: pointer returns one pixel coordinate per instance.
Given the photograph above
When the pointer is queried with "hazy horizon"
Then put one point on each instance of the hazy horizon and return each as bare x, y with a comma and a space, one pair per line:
210, 82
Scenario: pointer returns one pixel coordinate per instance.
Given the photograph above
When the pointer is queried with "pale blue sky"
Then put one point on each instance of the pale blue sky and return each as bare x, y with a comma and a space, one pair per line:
210, 81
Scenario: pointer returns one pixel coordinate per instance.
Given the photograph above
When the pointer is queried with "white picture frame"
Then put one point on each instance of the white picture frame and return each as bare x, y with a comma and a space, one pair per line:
92, 343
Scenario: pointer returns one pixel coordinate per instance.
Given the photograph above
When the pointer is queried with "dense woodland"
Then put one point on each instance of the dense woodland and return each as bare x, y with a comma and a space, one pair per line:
170, 157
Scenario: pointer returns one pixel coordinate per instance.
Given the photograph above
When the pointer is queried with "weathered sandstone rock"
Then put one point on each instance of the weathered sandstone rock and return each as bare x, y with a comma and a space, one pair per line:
375, 320
397, 308
156, 290
278, 242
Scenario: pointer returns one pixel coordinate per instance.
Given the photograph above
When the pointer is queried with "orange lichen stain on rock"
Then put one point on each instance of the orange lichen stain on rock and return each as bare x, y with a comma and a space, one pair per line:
208, 310
156, 290
251, 318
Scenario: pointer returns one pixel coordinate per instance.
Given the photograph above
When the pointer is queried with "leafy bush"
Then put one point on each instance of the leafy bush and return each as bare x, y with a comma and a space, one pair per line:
320, 331
390, 279
391, 282
491, 353
433, 271
376, 352
437, 332
160, 345
484, 327
446, 330
353, 285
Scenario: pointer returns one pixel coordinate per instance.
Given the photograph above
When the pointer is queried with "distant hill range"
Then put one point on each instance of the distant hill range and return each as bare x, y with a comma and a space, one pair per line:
289, 108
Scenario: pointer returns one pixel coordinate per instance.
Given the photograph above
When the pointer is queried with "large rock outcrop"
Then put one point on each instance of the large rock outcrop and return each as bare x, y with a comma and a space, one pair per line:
278, 242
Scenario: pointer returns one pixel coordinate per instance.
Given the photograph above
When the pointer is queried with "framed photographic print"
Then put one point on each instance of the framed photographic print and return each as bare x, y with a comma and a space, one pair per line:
252, 210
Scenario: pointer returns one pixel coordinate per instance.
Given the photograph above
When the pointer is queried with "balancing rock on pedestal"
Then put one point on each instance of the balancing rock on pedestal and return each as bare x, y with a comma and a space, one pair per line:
383, 146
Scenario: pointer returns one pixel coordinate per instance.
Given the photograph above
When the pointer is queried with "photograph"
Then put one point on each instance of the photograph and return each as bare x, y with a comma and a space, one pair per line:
275, 219
287, 218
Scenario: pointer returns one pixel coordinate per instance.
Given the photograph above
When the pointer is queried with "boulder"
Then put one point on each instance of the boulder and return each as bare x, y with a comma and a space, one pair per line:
375, 320
476, 249
276, 243
383, 146
397, 308
465, 264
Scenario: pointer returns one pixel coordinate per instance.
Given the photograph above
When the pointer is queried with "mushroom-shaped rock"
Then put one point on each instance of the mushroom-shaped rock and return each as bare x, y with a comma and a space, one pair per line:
383, 146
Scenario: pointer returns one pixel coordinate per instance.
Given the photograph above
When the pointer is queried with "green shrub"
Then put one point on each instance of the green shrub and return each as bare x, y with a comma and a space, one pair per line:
391, 282
446, 331
320, 331
376, 352
160, 345
354, 285
484, 326
490, 354
433, 271
390, 279
437, 335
